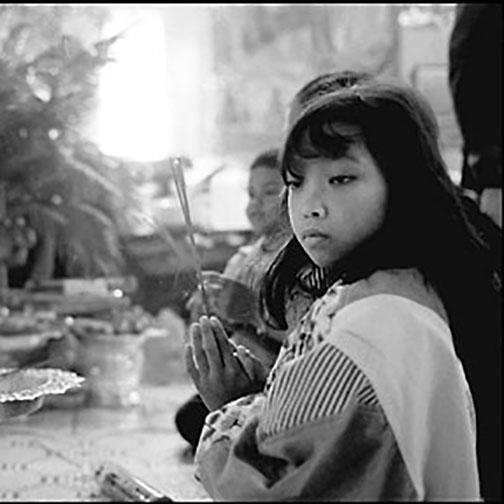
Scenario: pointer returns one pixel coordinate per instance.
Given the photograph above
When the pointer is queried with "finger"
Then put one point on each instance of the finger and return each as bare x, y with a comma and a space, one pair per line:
198, 350
242, 354
234, 345
253, 366
210, 346
225, 346
190, 365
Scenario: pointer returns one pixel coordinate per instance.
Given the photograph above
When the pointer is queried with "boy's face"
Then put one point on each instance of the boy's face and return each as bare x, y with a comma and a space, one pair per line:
264, 188
336, 204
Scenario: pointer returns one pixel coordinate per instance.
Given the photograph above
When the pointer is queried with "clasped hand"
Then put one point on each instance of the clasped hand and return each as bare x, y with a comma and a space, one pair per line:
221, 370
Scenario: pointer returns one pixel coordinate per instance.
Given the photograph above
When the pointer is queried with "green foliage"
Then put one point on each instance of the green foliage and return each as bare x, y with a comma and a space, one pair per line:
54, 176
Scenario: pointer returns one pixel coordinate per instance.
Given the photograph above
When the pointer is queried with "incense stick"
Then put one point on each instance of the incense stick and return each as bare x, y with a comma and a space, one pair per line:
178, 176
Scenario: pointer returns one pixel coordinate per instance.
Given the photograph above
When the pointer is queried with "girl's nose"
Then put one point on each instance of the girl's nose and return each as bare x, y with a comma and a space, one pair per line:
315, 211
314, 206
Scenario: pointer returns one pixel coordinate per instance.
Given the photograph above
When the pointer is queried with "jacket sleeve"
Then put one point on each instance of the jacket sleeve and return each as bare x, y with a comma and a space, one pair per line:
318, 432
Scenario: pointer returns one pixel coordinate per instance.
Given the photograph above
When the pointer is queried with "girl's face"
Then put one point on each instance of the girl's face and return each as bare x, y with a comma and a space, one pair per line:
336, 204
264, 206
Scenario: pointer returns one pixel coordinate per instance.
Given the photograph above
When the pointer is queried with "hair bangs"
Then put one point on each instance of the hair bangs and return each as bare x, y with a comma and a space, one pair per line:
319, 137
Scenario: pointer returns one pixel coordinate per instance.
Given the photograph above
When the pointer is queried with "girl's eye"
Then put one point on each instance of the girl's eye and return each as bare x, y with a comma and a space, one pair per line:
341, 179
293, 183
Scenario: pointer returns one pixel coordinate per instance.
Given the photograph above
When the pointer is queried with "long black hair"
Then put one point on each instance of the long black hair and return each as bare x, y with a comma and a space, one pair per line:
427, 224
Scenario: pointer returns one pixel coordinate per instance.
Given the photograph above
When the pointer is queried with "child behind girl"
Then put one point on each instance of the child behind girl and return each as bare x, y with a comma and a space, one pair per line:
368, 399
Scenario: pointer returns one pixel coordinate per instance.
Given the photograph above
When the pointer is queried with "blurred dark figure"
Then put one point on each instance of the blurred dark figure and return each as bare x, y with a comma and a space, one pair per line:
475, 75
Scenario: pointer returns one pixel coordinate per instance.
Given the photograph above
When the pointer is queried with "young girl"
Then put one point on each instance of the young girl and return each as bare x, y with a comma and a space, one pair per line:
368, 399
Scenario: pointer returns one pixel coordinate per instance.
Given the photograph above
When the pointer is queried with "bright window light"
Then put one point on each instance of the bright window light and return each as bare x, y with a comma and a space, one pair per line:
133, 118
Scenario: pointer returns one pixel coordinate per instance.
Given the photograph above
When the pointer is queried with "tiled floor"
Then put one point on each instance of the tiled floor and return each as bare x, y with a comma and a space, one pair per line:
50, 455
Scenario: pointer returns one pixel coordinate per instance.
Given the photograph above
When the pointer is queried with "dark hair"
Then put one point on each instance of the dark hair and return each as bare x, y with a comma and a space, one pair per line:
427, 225
268, 158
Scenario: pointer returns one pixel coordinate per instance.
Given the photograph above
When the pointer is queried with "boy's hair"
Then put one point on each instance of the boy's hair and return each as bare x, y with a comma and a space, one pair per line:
427, 226
268, 159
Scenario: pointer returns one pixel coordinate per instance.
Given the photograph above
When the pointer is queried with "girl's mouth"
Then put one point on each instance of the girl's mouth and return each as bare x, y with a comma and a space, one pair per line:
312, 238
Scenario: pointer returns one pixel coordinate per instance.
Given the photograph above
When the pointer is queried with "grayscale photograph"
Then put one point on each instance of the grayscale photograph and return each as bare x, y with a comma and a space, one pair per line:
250, 252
